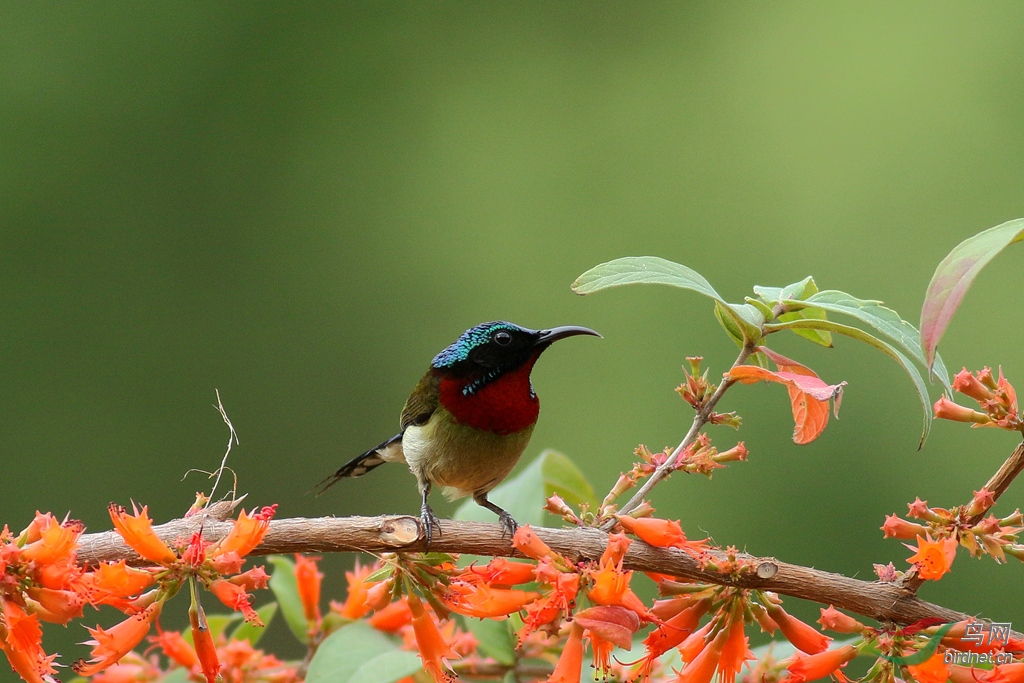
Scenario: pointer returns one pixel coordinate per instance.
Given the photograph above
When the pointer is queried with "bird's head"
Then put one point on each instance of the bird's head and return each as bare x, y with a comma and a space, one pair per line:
494, 348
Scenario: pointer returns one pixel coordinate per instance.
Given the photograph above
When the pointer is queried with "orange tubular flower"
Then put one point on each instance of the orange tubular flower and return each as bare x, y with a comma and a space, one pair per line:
662, 533
963, 674
434, 649
243, 662
945, 409
804, 637
570, 662
933, 558
21, 639
694, 643
932, 670
235, 597
390, 619
378, 596
56, 606
527, 542
671, 633
1006, 673
26, 666
500, 572
115, 580
255, 578
702, 667
112, 645
132, 669
56, 541
202, 640
834, 620
176, 648
736, 651
355, 602
897, 527
968, 385
137, 531
482, 601
308, 578
246, 534
611, 582
813, 667
561, 599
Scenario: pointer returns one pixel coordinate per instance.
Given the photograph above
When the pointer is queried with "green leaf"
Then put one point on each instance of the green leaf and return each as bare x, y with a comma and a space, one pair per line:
524, 494
651, 270
871, 340
381, 574
495, 638
728, 324
247, 631
765, 309
359, 654
883, 319
798, 290
648, 270
561, 476
821, 337
750, 319
286, 590
179, 675
955, 275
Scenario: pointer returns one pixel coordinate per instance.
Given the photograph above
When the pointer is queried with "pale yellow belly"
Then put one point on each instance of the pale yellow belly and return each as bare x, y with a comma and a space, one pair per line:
463, 460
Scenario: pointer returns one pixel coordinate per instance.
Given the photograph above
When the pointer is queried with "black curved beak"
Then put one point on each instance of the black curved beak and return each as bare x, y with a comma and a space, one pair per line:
545, 337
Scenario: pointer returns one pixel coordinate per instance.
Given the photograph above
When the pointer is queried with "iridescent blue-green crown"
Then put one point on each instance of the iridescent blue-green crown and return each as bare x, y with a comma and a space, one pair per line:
469, 340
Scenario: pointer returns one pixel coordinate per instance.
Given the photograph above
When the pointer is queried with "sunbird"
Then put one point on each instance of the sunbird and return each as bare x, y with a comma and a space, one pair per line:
469, 419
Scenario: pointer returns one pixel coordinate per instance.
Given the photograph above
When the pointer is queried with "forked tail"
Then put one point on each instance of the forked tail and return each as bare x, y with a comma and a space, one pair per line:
361, 464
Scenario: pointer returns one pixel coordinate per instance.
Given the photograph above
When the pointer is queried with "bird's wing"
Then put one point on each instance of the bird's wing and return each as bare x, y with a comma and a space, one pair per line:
423, 401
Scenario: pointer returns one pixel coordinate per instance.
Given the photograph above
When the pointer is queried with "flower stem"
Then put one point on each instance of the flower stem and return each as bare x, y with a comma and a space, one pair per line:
699, 420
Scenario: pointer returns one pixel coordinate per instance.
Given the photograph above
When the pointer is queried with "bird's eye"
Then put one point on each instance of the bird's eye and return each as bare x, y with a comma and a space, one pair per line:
502, 338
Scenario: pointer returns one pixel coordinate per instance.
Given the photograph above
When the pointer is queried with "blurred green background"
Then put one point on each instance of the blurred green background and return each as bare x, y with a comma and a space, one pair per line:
300, 204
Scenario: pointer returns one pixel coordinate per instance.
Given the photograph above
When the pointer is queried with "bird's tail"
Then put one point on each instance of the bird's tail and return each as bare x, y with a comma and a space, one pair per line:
388, 451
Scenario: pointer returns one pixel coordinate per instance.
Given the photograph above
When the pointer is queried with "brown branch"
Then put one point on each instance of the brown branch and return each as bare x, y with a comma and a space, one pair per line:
998, 484
1002, 479
885, 602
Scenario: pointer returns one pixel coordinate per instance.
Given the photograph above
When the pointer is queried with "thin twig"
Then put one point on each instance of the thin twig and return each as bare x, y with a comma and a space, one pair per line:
232, 437
699, 420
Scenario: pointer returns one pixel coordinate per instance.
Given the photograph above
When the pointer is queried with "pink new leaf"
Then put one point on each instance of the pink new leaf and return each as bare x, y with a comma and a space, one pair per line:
954, 277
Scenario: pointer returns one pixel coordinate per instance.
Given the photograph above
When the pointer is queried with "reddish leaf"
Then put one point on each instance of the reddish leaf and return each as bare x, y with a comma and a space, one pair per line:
615, 624
954, 276
808, 394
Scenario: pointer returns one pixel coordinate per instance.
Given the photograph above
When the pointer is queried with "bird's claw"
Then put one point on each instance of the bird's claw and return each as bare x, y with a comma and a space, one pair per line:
430, 523
508, 525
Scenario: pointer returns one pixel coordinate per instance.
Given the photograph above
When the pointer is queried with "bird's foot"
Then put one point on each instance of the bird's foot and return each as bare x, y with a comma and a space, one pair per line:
508, 525
430, 523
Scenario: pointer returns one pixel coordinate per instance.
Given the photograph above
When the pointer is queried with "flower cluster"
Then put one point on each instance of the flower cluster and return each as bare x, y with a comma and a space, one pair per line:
996, 397
940, 531
39, 581
216, 566
924, 652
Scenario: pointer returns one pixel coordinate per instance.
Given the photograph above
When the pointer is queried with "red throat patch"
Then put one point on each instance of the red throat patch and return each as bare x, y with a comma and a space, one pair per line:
502, 406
